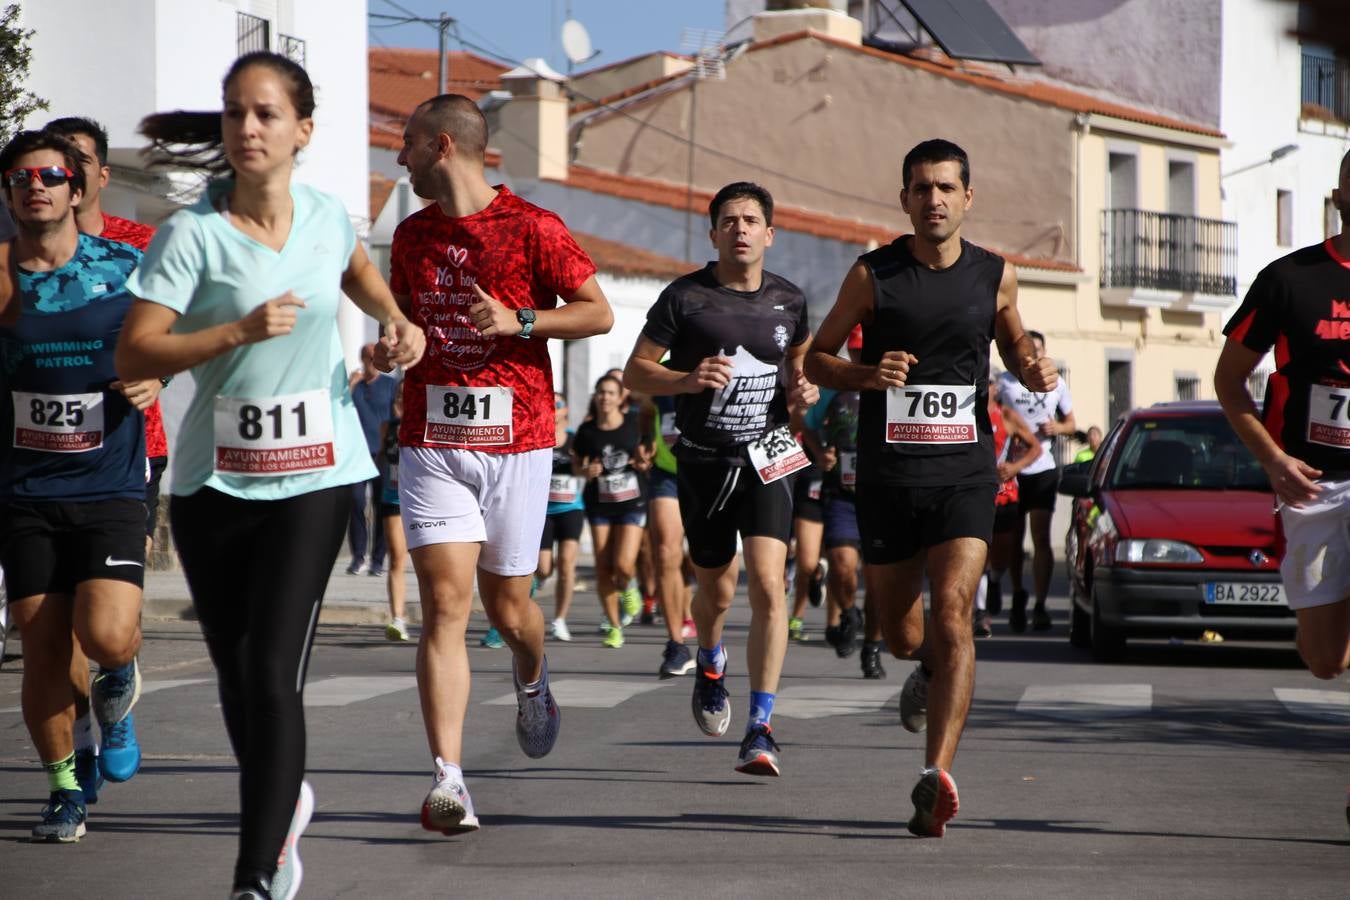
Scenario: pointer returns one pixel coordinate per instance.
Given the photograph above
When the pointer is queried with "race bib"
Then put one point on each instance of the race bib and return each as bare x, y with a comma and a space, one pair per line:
468, 416
274, 435
669, 433
58, 423
777, 455
931, 414
618, 487
813, 488
563, 489
848, 469
1329, 416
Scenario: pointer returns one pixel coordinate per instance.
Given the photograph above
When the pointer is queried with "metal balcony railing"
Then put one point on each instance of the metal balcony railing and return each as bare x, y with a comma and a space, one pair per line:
253, 33
1326, 85
1168, 252
293, 48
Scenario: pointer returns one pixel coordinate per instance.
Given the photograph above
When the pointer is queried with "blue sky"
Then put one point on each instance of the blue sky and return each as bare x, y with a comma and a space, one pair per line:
524, 28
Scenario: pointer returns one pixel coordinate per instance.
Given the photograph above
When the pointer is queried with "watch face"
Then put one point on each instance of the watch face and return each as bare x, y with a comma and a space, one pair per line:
525, 315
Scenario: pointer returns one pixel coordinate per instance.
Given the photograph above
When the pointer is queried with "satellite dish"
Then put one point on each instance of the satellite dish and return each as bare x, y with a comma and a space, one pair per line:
576, 42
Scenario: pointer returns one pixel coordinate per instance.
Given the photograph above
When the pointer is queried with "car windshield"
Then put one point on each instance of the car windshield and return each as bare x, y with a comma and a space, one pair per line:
1199, 453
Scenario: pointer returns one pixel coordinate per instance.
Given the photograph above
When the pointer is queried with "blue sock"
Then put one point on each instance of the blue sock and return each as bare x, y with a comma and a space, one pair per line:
761, 708
714, 659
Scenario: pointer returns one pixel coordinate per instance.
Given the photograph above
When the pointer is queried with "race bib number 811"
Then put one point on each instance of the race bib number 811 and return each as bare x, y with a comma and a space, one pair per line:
274, 435
468, 416
930, 414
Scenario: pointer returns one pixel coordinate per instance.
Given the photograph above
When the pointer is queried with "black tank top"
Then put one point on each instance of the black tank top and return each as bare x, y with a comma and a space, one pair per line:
946, 319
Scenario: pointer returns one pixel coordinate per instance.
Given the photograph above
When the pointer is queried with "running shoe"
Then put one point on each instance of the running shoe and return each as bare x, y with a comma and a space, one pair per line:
676, 661
62, 819
115, 692
397, 630
558, 630
1017, 616
914, 701
759, 752
648, 616
850, 622
358, 567
984, 624
712, 708
688, 630
815, 590
613, 638
1040, 619
87, 773
994, 599
630, 602
448, 807
249, 892
286, 883
119, 754
492, 639
796, 629
538, 718
871, 661
376, 572
935, 803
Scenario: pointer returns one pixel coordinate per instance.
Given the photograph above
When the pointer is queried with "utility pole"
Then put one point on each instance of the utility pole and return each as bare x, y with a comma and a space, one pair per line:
441, 61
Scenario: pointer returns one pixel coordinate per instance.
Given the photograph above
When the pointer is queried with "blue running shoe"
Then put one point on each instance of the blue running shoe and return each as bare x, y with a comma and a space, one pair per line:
492, 640
119, 756
87, 773
62, 819
114, 693
712, 709
759, 752
538, 719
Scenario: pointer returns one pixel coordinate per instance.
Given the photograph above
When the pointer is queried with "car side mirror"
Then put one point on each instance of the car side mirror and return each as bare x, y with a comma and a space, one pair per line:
1073, 481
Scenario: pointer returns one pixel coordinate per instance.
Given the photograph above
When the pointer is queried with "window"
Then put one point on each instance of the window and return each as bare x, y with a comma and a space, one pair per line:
1284, 218
1121, 168
1181, 188
1187, 386
253, 33
1331, 219
1119, 387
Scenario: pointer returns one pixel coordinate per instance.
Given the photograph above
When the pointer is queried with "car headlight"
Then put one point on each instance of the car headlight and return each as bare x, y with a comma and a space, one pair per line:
1156, 551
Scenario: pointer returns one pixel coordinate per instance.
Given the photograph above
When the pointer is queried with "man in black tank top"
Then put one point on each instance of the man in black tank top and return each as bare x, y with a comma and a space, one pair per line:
737, 336
929, 304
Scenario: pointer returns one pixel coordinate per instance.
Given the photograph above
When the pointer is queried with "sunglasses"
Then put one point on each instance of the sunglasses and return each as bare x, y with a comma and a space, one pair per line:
50, 176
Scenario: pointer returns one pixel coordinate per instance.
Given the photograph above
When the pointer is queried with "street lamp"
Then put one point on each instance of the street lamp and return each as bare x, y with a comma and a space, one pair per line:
1275, 155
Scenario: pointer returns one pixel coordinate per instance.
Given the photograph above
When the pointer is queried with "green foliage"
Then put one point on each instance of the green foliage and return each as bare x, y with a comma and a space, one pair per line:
16, 102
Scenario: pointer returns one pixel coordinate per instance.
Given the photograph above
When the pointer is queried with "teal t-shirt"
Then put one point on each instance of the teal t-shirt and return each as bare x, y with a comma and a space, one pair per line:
273, 419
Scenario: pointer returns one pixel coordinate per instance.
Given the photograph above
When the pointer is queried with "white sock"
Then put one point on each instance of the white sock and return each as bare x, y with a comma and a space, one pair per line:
446, 770
981, 593
84, 732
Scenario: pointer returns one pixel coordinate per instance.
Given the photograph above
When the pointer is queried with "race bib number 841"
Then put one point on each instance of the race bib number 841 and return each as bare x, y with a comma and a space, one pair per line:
468, 416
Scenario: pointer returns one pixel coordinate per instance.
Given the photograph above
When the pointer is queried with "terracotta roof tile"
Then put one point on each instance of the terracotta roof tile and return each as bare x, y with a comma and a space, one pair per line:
380, 189
1040, 91
624, 259
402, 78
663, 193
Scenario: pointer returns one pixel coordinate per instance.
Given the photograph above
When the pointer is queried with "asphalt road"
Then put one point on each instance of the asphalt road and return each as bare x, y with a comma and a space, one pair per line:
1188, 771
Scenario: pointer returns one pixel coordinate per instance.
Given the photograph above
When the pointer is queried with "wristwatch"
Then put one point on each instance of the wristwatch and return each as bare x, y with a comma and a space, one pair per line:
526, 319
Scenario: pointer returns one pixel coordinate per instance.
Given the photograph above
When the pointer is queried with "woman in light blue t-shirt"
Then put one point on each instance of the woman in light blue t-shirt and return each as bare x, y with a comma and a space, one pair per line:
242, 290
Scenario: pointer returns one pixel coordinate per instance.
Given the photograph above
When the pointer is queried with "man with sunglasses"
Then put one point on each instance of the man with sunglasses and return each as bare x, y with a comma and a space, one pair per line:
72, 472
91, 139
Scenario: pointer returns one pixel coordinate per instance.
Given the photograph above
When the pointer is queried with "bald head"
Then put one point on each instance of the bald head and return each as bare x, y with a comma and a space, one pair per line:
460, 118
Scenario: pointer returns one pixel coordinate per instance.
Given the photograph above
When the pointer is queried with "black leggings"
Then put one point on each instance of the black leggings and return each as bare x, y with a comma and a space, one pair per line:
257, 570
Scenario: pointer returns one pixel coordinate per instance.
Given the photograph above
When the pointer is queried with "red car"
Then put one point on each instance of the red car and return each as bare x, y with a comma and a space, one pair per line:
1172, 534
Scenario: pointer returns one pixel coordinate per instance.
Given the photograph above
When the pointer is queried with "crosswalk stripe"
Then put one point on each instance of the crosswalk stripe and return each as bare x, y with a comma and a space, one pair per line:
818, 701
588, 693
1077, 702
347, 689
147, 687
1331, 706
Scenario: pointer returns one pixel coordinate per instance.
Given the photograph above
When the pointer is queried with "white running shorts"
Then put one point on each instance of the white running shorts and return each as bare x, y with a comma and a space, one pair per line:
468, 496
1316, 564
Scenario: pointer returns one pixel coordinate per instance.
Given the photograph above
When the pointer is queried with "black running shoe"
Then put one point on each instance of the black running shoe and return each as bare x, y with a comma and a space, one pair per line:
850, 623
871, 661
935, 803
1040, 619
759, 752
815, 591
676, 661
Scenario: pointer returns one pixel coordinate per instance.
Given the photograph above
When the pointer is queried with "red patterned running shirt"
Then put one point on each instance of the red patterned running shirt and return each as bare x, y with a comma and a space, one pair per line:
138, 235
460, 394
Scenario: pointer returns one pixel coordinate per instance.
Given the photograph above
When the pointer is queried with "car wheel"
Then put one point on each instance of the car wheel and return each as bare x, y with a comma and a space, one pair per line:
1108, 643
1080, 621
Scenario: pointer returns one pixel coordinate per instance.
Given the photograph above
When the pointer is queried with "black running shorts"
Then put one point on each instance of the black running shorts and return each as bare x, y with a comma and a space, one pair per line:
1037, 491
563, 526
48, 547
807, 502
897, 522
717, 501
